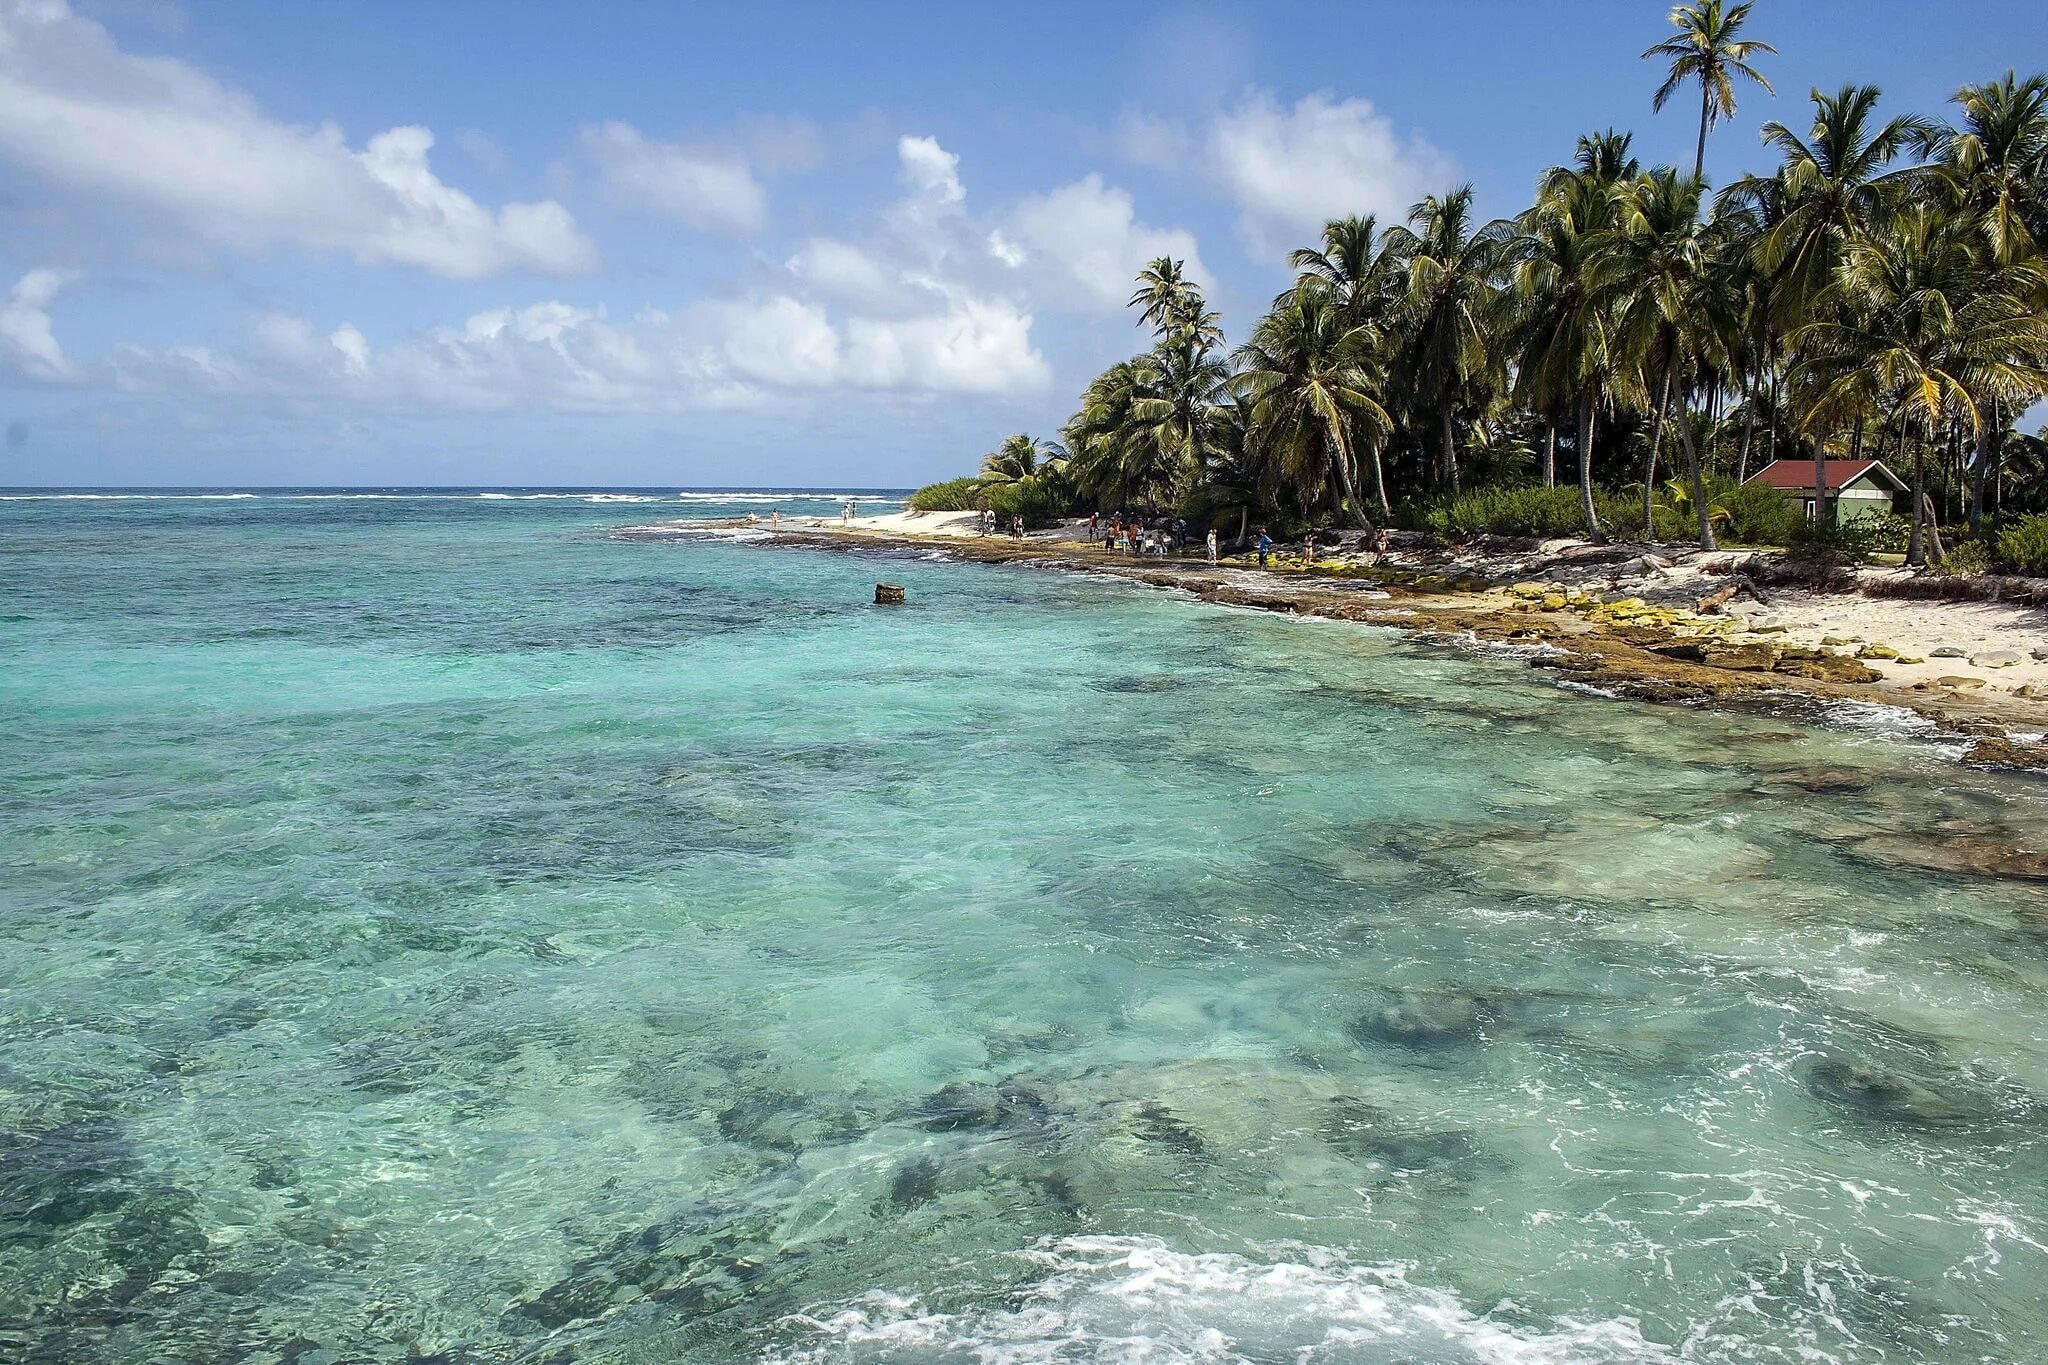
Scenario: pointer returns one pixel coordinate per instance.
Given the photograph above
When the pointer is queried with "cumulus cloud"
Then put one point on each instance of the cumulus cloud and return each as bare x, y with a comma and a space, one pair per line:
162, 136
929, 300
1088, 237
26, 339
931, 172
710, 188
1291, 169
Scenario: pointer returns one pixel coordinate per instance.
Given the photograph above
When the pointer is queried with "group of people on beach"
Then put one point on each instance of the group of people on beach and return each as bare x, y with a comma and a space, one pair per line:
1140, 536
988, 524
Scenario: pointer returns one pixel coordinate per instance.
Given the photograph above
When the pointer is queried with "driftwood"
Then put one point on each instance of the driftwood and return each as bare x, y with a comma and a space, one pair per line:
1720, 598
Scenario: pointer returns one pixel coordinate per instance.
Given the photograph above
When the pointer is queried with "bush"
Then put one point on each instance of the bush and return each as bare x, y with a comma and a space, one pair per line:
1523, 510
954, 495
1890, 533
1965, 557
1757, 513
1041, 501
2022, 547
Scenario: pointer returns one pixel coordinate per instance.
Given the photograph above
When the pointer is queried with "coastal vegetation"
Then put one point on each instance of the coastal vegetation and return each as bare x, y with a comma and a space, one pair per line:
1621, 356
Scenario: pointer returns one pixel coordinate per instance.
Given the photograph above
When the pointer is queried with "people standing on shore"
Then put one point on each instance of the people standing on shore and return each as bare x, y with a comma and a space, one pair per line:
1212, 546
1017, 525
1094, 526
1308, 551
845, 513
775, 518
1180, 533
1265, 546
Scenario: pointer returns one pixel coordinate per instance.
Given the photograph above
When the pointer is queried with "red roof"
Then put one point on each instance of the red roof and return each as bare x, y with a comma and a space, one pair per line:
1796, 476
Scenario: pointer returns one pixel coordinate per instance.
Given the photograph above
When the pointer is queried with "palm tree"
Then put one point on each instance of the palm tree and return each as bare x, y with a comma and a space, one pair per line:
1834, 189
1306, 379
1562, 335
1669, 309
1362, 276
1174, 402
1921, 319
1020, 457
1449, 306
1163, 296
1706, 49
1995, 161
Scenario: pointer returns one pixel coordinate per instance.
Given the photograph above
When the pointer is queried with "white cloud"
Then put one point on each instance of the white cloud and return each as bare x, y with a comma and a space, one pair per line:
1292, 169
931, 172
707, 187
26, 339
1089, 236
166, 138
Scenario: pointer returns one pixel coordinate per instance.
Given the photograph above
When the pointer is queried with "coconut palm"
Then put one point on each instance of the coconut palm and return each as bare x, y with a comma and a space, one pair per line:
1363, 278
1706, 49
1995, 161
1835, 188
1449, 306
1669, 306
1165, 297
1921, 319
1561, 335
1307, 382
1179, 385
1020, 457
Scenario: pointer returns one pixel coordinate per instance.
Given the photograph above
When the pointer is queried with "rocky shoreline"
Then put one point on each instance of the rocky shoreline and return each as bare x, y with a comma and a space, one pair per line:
1615, 645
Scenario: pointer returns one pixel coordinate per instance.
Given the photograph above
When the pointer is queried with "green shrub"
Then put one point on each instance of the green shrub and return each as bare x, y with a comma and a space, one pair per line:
1041, 501
954, 495
1966, 557
2022, 547
1758, 514
1525, 510
1889, 532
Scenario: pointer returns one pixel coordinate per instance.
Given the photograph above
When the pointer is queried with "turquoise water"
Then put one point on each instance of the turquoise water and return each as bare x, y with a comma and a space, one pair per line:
450, 929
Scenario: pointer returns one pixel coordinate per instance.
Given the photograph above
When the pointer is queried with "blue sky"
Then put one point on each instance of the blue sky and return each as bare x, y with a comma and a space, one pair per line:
782, 244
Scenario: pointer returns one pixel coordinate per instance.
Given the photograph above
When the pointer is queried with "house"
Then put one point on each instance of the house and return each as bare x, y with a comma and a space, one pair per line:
1860, 488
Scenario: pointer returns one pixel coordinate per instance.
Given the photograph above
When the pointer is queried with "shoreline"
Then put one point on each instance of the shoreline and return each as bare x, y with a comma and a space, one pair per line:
1634, 633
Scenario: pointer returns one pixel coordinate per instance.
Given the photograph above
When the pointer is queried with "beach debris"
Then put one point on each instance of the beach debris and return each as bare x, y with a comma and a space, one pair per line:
1720, 598
888, 594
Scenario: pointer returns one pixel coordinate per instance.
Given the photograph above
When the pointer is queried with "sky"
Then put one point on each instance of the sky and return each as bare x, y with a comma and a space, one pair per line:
769, 244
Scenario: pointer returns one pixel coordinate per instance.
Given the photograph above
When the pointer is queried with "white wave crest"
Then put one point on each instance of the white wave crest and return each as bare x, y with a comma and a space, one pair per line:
1134, 1301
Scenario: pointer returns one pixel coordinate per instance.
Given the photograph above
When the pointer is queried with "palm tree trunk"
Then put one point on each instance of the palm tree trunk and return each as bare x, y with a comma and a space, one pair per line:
1586, 468
1656, 444
1748, 427
1699, 156
1692, 473
1347, 497
1822, 512
1550, 455
1914, 553
1450, 453
1979, 472
1379, 480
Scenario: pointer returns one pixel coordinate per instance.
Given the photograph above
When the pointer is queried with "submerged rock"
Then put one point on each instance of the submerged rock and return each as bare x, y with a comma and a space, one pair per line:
916, 1182
1149, 682
1873, 1093
1819, 782
1428, 1023
1371, 1136
1964, 854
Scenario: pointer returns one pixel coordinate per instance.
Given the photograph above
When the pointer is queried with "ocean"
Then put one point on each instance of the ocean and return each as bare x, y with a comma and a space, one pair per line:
435, 925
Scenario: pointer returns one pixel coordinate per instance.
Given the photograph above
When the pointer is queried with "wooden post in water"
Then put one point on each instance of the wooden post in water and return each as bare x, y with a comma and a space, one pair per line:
888, 594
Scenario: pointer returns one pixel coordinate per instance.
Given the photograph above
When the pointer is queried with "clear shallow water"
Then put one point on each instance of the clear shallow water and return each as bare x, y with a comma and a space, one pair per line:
449, 929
